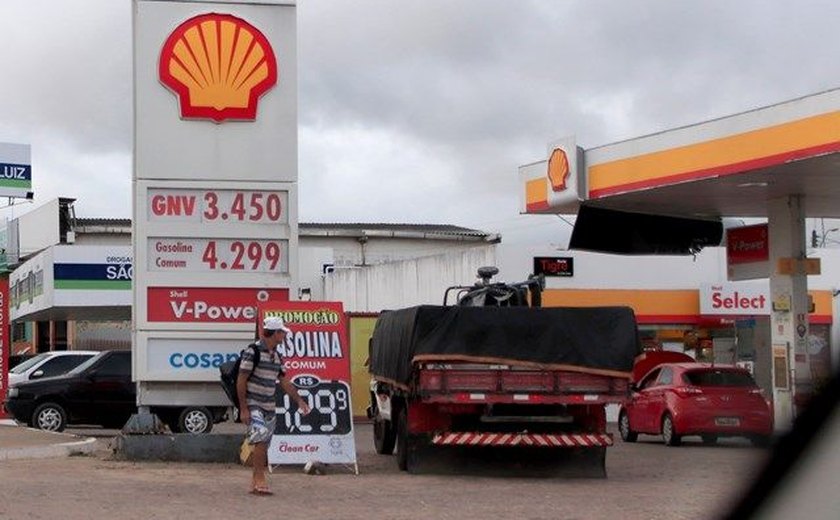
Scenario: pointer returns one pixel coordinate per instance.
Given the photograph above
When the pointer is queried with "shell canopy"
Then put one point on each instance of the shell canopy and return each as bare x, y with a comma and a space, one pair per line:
218, 66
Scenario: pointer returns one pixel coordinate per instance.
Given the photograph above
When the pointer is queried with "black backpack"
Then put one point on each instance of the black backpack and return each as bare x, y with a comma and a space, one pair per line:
229, 372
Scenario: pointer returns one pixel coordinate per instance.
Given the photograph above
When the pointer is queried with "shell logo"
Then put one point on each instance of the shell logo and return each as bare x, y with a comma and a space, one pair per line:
218, 66
558, 169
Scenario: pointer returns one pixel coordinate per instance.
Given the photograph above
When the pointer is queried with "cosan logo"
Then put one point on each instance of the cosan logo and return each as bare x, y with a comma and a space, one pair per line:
219, 66
194, 360
737, 301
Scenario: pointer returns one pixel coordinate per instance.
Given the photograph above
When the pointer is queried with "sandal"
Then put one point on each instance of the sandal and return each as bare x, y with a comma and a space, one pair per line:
261, 491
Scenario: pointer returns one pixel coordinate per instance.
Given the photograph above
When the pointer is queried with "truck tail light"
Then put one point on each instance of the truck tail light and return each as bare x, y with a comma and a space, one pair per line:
472, 381
521, 381
431, 380
579, 383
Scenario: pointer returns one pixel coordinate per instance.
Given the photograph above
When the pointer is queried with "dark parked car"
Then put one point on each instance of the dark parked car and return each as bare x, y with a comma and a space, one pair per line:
687, 398
99, 391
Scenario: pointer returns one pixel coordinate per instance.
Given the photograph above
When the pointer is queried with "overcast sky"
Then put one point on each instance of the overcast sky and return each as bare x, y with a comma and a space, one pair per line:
421, 111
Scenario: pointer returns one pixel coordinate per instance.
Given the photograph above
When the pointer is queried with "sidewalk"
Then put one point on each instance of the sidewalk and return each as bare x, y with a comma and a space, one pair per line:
20, 442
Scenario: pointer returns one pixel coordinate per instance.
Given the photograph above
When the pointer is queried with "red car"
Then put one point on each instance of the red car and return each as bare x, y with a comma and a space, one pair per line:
677, 399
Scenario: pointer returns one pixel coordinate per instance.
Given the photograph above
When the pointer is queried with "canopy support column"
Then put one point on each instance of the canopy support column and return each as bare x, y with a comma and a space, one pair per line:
790, 367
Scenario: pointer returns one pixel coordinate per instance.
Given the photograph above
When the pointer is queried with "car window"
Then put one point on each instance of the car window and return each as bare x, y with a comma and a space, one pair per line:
666, 376
61, 364
87, 364
26, 365
115, 365
650, 380
719, 378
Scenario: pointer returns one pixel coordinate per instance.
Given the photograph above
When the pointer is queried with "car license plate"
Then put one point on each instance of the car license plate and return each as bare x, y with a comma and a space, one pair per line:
727, 421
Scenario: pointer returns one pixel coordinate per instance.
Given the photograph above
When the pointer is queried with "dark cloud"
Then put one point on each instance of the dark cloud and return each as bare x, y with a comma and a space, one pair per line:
422, 111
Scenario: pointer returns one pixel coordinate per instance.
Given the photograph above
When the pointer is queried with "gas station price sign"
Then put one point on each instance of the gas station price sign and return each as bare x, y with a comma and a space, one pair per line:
217, 255
329, 402
178, 205
316, 359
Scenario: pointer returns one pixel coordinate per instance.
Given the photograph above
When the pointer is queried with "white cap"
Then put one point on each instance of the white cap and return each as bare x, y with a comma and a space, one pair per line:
275, 323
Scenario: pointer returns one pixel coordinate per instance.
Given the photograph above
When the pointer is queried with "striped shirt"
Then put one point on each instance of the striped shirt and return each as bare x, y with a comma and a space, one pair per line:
262, 385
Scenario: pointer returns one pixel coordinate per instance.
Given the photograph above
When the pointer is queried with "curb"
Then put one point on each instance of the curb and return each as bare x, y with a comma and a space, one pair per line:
54, 450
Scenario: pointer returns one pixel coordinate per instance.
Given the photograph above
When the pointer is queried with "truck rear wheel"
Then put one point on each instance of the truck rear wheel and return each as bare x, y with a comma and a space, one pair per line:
384, 436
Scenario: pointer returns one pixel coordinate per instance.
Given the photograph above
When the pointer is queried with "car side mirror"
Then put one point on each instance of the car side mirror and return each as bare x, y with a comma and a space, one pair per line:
37, 374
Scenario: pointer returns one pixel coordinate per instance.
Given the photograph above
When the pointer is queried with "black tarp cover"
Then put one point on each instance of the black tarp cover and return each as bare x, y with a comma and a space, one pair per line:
586, 339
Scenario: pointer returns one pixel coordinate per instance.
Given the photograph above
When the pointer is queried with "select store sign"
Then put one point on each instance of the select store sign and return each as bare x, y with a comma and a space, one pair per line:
731, 299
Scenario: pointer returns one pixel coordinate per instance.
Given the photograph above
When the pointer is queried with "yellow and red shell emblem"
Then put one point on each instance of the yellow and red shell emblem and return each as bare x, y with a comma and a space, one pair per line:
558, 169
218, 66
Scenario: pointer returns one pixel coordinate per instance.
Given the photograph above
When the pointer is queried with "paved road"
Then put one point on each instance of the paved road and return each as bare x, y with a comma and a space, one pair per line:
646, 480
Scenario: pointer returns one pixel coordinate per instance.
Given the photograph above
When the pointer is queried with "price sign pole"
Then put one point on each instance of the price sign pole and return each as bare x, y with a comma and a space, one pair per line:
215, 176
317, 361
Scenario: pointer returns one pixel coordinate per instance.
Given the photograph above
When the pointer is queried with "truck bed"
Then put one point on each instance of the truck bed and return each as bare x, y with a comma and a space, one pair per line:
601, 341
501, 384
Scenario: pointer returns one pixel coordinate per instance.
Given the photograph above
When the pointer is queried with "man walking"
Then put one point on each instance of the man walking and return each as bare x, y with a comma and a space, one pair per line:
256, 387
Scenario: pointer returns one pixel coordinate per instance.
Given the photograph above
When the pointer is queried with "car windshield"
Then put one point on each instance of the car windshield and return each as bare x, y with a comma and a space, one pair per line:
719, 378
84, 366
31, 362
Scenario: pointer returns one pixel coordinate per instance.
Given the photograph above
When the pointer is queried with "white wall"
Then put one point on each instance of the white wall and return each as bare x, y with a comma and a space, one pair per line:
310, 268
38, 229
406, 283
349, 251
604, 271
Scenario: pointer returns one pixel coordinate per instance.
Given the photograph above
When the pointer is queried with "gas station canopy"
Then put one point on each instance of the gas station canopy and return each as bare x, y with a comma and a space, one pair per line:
731, 166
665, 193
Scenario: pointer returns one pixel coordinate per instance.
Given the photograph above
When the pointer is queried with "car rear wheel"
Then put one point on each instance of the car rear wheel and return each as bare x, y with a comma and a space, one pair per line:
669, 435
50, 417
627, 435
195, 420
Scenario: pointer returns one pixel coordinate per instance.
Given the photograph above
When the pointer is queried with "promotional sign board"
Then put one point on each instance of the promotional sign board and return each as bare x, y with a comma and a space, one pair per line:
317, 361
15, 171
4, 340
747, 252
